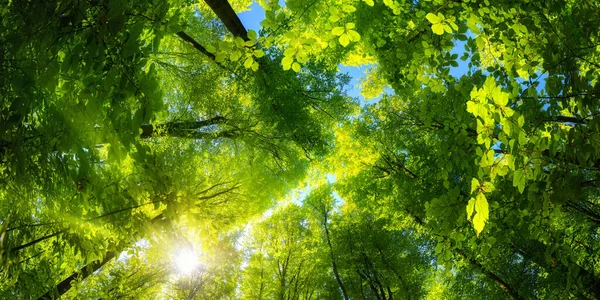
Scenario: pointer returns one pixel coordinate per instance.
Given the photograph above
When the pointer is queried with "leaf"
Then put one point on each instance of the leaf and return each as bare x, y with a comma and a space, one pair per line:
289, 52
470, 208
287, 62
437, 29
478, 223
348, 8
481, 205
474, 185
338, 31
488, 187
350, 25
369, 2
344, 40
433, 18
235, 55
248, 63
259, 53
239, 41
252, 34
211, 49
296, 67
354, 36
255, 66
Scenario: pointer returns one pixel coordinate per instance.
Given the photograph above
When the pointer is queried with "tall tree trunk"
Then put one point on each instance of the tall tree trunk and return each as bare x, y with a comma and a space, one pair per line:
334, 267
228, 16
185, 129
83, 273
474, 263
64, 286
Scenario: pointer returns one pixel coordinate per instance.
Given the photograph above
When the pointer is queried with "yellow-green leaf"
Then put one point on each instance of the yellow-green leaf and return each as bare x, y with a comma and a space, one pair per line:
248, 63
238, 41
354, 36
481, 206
348, 8
350, 25
470, 208
296, 67
369, 2
344, 40
289, 52
438, 28
474, 185
287, 62
259, 53
478, 223
433, 18
338, 31
252, 34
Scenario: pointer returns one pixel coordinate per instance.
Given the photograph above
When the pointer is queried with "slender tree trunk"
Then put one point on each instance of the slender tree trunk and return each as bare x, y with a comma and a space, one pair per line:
334, 267
65, 285
185, 129
499, 281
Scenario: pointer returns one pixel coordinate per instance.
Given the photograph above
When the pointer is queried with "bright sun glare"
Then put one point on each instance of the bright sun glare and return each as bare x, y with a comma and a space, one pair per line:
186, 261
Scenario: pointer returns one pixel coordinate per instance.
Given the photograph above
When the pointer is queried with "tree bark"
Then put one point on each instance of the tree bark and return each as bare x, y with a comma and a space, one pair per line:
225, 12
187, 129
499, 281
336, 274
65, 285
84, 272
184, 36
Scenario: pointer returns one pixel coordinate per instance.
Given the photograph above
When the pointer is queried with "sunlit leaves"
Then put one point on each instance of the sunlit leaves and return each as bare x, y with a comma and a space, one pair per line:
346, 34
439, 24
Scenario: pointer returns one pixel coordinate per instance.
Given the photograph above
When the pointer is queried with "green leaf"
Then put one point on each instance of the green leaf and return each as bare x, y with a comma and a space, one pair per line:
478, 223
481, 206
239, 41
296, 67
437, 29
474, 185
235, 55
350, 25
338, 31
433, 18
354, 36
289, 52
259, 53
369, 2
248, 63
287, 62
470, 208
252, 34
344, 40
348, 8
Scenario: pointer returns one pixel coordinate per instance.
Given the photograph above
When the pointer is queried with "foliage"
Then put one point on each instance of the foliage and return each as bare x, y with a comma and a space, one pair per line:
130, 129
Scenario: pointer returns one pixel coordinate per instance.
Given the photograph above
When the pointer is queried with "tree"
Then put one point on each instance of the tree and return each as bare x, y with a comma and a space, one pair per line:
472, 173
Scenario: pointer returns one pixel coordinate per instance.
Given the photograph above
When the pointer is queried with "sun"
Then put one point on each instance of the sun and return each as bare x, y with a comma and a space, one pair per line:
186, 261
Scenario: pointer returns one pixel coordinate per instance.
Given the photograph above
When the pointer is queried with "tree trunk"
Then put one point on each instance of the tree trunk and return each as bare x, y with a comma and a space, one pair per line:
336, 274
228, 16
187, 129
84, 272
65, 285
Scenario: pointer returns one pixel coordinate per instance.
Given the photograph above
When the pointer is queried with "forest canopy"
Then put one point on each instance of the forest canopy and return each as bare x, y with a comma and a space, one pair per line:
162, 149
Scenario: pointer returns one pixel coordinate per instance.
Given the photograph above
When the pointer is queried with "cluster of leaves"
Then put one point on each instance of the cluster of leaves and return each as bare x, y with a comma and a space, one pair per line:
168, 122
